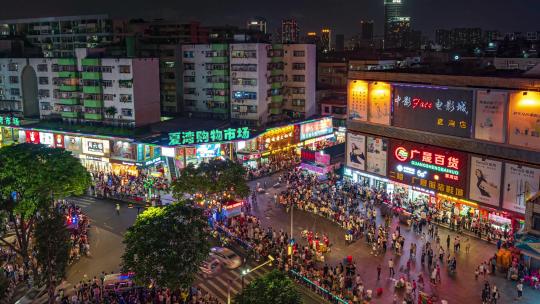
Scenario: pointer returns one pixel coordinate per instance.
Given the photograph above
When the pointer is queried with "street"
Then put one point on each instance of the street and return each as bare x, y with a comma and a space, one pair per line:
108, 229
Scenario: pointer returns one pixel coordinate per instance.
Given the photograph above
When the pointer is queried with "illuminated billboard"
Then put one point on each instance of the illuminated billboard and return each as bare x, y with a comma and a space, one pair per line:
524, 119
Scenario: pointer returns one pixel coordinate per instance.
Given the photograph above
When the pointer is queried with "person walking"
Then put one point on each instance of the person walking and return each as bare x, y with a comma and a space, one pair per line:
379, 268
448, 243
117, 209
519, 288
391, 268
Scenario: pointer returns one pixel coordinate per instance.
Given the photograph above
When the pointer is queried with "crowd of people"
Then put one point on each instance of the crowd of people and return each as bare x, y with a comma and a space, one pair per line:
128, 187
78, 225
276, 163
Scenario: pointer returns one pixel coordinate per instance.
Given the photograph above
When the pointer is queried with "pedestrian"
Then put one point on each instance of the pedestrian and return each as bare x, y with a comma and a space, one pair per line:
117, 209
391, 268
519, 288
379, 268
448, 242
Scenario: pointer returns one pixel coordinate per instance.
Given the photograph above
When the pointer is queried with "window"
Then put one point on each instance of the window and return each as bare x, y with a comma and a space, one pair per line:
326, 110
189, 78
44, 93
106, 69
274, 92
106, 83
127, 112
15, 91
188, 54
244, 95
13, 67
244, 54
299, 66
126, 98
244, 67
169, 64
125, 83
189, 66
299, 78
42, 68
43, 80
13, 79
124, 69
45, 106
108, 97
245, 81
297, 90
536, 221
1, 79
298, 102
190, 91
55, 67
299, 53
91, 68
216, 66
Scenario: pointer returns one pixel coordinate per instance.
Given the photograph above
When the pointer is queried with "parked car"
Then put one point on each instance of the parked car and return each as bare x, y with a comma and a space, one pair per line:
118, 281
210, 267
34, 295
228, 257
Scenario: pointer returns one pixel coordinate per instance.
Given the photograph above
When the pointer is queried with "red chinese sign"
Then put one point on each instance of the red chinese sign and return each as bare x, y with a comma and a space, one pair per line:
59, 141
32, 137
432, 168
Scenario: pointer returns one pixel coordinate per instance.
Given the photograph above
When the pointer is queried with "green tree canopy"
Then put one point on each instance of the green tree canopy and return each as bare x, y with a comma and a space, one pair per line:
212, 179
52, 244
31, 176
275, 287
166, 245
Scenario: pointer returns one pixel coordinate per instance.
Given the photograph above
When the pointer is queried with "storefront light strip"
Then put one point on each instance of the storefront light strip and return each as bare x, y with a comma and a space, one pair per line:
434, 167
368, 175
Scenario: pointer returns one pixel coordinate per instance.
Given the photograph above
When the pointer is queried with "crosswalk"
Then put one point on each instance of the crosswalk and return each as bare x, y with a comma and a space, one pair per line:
229, 282
83, 201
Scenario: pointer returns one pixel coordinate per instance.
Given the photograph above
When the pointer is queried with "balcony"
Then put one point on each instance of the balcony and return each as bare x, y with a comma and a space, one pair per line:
90, 103
67, 74
220, 110
92, 90
275, 111
90, 61
91, 75
220, 59
220, 72
276, 59
276, 85
220, 85
93, 116
67, 61
68, 88
69, 114
218, 98
276, 72
277, 98
68, 101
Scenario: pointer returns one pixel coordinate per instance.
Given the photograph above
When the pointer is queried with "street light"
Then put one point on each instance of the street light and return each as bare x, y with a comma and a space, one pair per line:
247, 271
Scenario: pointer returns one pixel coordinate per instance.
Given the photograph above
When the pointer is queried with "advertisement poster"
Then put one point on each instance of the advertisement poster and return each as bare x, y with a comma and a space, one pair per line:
95, 146
316, 128
210, 150
32, 137
73, 144
356, 151
47, 139
520, 184
357, 100
433, 109
59, 140
489, 121
485, 181
524, 119
124, 150
428, 167
380, 97
377, 150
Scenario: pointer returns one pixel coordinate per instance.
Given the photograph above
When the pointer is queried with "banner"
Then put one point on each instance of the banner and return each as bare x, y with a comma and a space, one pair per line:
73, 144
379, 102
489, 120
433, 109
316, 128
95, 146
520, 184
47, 139
357, 100
524, 119
377, 150
356, 151
59, 140
124, 150
485, 181
32, 137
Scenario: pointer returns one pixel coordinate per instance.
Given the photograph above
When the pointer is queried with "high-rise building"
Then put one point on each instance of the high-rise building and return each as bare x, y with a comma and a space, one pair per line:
340, 42
257, 24
312, 38
366, 30
326, 39
462, 37
398, 32
60, 36
392, 10
290, 32
443, 38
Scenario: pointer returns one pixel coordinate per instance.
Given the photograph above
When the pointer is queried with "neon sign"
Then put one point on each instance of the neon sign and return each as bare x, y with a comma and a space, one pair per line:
9, 121
202, 137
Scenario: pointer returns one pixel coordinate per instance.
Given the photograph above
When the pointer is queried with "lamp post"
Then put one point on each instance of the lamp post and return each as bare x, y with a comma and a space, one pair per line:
292, 208
247, 271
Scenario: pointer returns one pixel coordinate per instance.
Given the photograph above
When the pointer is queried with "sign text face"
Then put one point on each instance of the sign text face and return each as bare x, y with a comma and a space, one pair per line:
203, 137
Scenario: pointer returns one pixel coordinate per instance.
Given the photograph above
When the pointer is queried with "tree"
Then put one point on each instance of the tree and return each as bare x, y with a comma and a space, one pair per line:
166, 245
275, 287
4, 285
52, 243
212, 180
111, 111
31, 177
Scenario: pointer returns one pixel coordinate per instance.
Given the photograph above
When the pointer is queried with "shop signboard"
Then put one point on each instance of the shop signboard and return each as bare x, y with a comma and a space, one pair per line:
524, 119
380, 99
377, 150
321, 158
485, 181
357, 100
356, 151
73, 143
208, 151
428, 167
208, 136
8, 120
59, 140
489, 120
316, 128
307, 155
167, 152
520, 184
46, 139
94, 146
124, 150
32, 137
433, 109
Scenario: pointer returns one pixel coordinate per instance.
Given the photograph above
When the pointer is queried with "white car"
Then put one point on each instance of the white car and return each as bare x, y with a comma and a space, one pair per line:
34, 295
210, 267
228, 257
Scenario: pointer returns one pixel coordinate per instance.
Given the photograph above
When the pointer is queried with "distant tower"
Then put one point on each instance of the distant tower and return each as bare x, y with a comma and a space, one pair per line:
290, 32
257, 24
326, 39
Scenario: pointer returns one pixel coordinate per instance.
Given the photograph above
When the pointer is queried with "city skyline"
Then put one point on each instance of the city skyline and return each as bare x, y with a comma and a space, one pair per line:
311, 16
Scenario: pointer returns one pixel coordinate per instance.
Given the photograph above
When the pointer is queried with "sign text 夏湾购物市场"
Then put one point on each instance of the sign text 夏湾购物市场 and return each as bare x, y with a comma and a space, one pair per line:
9, 121
203, 137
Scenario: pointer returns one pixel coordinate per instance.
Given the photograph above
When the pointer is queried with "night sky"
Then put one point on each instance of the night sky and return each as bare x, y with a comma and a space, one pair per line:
343, 16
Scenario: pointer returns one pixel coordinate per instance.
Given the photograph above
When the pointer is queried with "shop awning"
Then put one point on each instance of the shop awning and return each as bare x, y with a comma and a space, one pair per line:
529, 244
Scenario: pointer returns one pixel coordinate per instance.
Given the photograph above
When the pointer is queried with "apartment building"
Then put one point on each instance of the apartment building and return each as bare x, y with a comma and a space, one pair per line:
206, 80
60, 36
300, 80
118, 91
